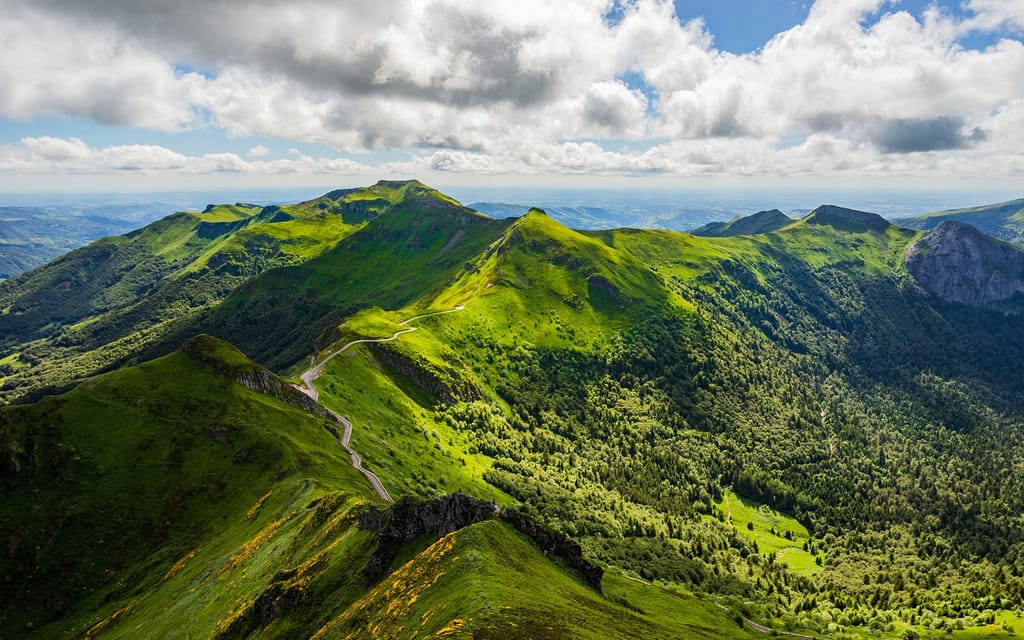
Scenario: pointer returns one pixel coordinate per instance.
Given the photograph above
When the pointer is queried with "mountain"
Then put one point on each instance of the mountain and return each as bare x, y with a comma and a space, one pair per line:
760, 222
653, 212
1004, 220
847, 219
789, 428
102, 305
959, 263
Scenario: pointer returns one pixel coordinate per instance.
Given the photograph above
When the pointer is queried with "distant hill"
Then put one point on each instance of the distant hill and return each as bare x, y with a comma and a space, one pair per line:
1004, 220
642, 216
847, 219
760, 222
103, 304
32, 236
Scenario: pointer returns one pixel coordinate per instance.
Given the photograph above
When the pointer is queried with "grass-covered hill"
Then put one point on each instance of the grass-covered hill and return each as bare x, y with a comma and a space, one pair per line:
785, 424
1004, 220
760, 222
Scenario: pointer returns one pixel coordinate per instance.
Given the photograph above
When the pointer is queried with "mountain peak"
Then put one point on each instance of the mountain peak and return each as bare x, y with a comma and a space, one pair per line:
400, 184
760, 222
957, 262
847, 219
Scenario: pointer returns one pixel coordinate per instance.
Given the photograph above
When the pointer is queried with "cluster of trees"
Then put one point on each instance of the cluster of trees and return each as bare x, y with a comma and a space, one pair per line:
882, 420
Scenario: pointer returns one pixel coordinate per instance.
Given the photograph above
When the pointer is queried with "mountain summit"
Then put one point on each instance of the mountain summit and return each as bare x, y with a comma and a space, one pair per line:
760, 222
847, 219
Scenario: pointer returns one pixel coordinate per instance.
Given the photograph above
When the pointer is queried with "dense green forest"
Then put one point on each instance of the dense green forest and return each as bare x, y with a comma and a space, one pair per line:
784, 423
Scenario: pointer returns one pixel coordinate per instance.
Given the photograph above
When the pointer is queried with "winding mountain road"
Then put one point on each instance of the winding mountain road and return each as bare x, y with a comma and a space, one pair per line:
313, 373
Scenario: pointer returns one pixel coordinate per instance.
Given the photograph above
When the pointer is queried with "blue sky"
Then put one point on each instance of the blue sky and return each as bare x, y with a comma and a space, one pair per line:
119, 94
741, 26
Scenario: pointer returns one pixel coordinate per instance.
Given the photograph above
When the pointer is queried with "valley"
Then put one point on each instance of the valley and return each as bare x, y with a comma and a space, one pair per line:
380, 413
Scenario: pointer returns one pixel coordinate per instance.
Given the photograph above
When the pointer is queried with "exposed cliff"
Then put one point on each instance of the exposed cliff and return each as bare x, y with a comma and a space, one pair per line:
959, 263
409, 519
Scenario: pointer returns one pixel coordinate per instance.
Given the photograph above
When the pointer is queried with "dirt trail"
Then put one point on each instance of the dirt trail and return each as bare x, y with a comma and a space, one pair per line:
311, 374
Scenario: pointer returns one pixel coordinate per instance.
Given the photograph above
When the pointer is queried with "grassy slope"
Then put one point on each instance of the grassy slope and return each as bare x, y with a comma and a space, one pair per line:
531, 285
776, 534
534, 289
184, 500
757, 223
111, 484
397, 260
486, 581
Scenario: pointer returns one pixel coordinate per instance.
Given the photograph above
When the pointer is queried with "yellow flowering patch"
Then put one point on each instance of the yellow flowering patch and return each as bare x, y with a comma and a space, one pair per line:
179, 565
256, 507
250, 547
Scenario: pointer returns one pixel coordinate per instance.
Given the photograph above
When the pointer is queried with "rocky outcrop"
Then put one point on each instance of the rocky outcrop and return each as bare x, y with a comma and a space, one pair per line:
449, 389
959, 263
203, 349
409, 519
600, 283
556, 545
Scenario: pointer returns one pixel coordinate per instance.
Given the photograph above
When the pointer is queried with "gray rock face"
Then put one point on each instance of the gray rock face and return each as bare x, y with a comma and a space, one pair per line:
958, 263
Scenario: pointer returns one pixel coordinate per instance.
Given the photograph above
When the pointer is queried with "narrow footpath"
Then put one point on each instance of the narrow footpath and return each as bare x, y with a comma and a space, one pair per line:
313, 373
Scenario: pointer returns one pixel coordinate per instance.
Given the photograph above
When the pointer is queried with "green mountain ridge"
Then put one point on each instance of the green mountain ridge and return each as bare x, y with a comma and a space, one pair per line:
1004, 220
760, 222
787, 425
105, 304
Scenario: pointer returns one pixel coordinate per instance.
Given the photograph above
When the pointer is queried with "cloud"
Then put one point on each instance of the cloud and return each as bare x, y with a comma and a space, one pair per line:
42, 155
908, 135
993, 14
525, 87
52, 65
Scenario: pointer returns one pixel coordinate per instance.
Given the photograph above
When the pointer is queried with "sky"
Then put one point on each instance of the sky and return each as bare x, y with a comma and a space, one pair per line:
115, 95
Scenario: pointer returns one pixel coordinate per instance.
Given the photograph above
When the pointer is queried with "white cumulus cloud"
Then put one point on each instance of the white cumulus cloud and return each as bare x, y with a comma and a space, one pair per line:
526, 87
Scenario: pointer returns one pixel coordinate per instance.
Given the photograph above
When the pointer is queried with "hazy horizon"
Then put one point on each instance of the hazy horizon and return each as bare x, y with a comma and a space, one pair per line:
716, 203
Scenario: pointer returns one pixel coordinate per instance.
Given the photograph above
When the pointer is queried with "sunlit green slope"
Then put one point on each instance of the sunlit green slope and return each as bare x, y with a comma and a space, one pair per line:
109, 486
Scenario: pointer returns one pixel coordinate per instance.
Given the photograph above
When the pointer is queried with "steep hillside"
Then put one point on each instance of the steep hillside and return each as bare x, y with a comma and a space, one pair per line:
1004, 220
760, 222
961, 264
618, 380
396, 260
115, 487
